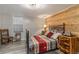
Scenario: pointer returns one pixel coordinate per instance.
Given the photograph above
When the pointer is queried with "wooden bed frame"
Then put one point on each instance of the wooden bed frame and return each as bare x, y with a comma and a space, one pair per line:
27, 41
58, 28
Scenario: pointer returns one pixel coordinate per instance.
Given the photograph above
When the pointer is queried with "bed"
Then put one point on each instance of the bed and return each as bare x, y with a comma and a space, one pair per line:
41, 43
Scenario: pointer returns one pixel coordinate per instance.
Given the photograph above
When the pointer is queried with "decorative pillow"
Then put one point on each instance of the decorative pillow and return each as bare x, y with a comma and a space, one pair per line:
49, 34
55, 35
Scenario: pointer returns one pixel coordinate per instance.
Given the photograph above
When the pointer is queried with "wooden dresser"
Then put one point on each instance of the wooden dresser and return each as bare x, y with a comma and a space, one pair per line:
68, 45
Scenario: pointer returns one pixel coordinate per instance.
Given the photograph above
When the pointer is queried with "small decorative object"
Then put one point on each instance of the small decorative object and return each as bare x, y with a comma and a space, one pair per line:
42, 32
67, 33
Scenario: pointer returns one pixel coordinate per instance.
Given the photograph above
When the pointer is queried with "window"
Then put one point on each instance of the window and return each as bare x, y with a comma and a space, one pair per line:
18, 24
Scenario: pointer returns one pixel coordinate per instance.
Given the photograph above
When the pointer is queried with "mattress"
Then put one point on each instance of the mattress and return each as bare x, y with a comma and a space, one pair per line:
41, 44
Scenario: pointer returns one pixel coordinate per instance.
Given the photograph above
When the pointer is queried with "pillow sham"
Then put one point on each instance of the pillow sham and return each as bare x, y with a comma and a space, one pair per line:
55, 35
49, 34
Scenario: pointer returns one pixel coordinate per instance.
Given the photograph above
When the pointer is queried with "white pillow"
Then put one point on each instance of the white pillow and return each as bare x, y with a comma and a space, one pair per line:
55, 35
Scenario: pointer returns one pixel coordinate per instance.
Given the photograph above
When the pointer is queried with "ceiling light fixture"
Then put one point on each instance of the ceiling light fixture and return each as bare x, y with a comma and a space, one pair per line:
34, 6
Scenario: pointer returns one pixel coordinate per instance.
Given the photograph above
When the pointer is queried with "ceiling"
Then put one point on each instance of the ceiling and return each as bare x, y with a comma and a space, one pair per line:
19, 10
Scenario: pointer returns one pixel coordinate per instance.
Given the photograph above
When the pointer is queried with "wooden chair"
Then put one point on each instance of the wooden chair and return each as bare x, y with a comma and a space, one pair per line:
5, 38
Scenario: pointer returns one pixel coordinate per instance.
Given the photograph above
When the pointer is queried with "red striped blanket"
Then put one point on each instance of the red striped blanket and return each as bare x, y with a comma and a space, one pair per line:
41, 44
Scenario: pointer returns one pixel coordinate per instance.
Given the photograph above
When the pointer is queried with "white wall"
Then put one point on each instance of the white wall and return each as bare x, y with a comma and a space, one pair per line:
39, 23
33, 26
6, 22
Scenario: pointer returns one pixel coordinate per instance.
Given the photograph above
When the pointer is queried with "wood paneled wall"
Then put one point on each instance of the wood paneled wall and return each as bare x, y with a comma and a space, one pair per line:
70, 17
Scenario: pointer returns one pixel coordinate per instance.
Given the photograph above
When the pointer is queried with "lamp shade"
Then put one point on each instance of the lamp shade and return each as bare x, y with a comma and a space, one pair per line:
44, 25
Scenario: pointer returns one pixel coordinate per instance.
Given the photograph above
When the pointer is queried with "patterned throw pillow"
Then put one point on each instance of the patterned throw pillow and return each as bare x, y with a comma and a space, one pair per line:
49, 34
55, 35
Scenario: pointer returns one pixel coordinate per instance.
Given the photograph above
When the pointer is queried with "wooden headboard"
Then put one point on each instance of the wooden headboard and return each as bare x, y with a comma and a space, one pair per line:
58, 28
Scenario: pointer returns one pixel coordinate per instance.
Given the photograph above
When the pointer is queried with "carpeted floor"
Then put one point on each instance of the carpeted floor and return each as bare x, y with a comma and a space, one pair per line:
19, 48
